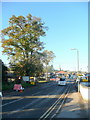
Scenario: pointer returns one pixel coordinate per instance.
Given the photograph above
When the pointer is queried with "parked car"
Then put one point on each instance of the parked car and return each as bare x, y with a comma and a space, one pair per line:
62, 81
84, 79
81, 79
53, 78
88, 76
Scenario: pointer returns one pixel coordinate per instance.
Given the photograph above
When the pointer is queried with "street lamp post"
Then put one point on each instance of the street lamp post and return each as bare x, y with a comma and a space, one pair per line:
77, 66
77, 58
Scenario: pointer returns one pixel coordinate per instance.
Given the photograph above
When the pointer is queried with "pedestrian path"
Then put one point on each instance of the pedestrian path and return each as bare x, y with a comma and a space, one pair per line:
74, 107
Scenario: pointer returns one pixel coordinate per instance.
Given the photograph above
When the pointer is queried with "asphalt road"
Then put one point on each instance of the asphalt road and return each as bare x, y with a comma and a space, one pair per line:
33, 102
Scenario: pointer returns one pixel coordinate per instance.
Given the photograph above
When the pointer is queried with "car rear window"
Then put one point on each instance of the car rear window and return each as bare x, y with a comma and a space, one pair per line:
62, 79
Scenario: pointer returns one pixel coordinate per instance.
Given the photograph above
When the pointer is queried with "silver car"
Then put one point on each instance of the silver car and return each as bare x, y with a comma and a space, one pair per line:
62, 81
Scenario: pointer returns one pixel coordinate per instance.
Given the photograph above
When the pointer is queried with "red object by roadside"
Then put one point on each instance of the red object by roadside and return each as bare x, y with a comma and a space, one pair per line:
17, 87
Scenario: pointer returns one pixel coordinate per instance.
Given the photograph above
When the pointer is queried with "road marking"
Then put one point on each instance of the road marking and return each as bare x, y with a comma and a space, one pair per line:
18, 110
12, 102
47, 113
17, 100
60, 105
24, 98
15, 111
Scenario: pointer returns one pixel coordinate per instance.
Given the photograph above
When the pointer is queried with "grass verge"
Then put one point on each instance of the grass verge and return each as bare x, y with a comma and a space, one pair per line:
10, 85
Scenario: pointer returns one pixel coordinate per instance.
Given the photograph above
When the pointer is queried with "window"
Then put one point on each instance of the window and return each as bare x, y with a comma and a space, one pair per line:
62, 79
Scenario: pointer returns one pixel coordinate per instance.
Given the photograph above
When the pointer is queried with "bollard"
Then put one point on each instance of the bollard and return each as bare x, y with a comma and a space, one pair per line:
78, 86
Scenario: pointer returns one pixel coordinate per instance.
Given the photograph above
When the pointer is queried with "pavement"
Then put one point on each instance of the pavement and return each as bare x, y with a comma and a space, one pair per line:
75, 107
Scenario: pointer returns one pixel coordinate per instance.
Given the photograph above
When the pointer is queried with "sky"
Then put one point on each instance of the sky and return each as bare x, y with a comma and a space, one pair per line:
67, 24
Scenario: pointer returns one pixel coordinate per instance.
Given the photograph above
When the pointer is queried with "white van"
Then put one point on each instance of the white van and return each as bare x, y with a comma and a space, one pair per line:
62, 81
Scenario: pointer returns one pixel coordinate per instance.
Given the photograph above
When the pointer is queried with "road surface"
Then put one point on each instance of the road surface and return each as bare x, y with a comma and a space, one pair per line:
40, 101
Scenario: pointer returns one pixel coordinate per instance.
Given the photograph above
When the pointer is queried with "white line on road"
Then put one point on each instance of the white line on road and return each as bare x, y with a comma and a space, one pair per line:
23, 98
46, 114
12, 102
15, 111
17, 100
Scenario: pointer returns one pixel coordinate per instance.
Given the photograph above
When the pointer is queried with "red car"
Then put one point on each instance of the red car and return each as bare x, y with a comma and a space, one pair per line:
53, 78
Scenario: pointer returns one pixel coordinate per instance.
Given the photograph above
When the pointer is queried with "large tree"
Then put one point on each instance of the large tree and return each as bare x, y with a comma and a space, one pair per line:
22, 39
47, 57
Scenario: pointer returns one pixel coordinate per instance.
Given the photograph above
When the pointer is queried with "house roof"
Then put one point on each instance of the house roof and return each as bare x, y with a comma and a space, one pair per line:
61, 72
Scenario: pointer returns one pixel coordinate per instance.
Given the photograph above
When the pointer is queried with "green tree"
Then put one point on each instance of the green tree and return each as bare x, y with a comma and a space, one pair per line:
50, 69
21, 40
47, 57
